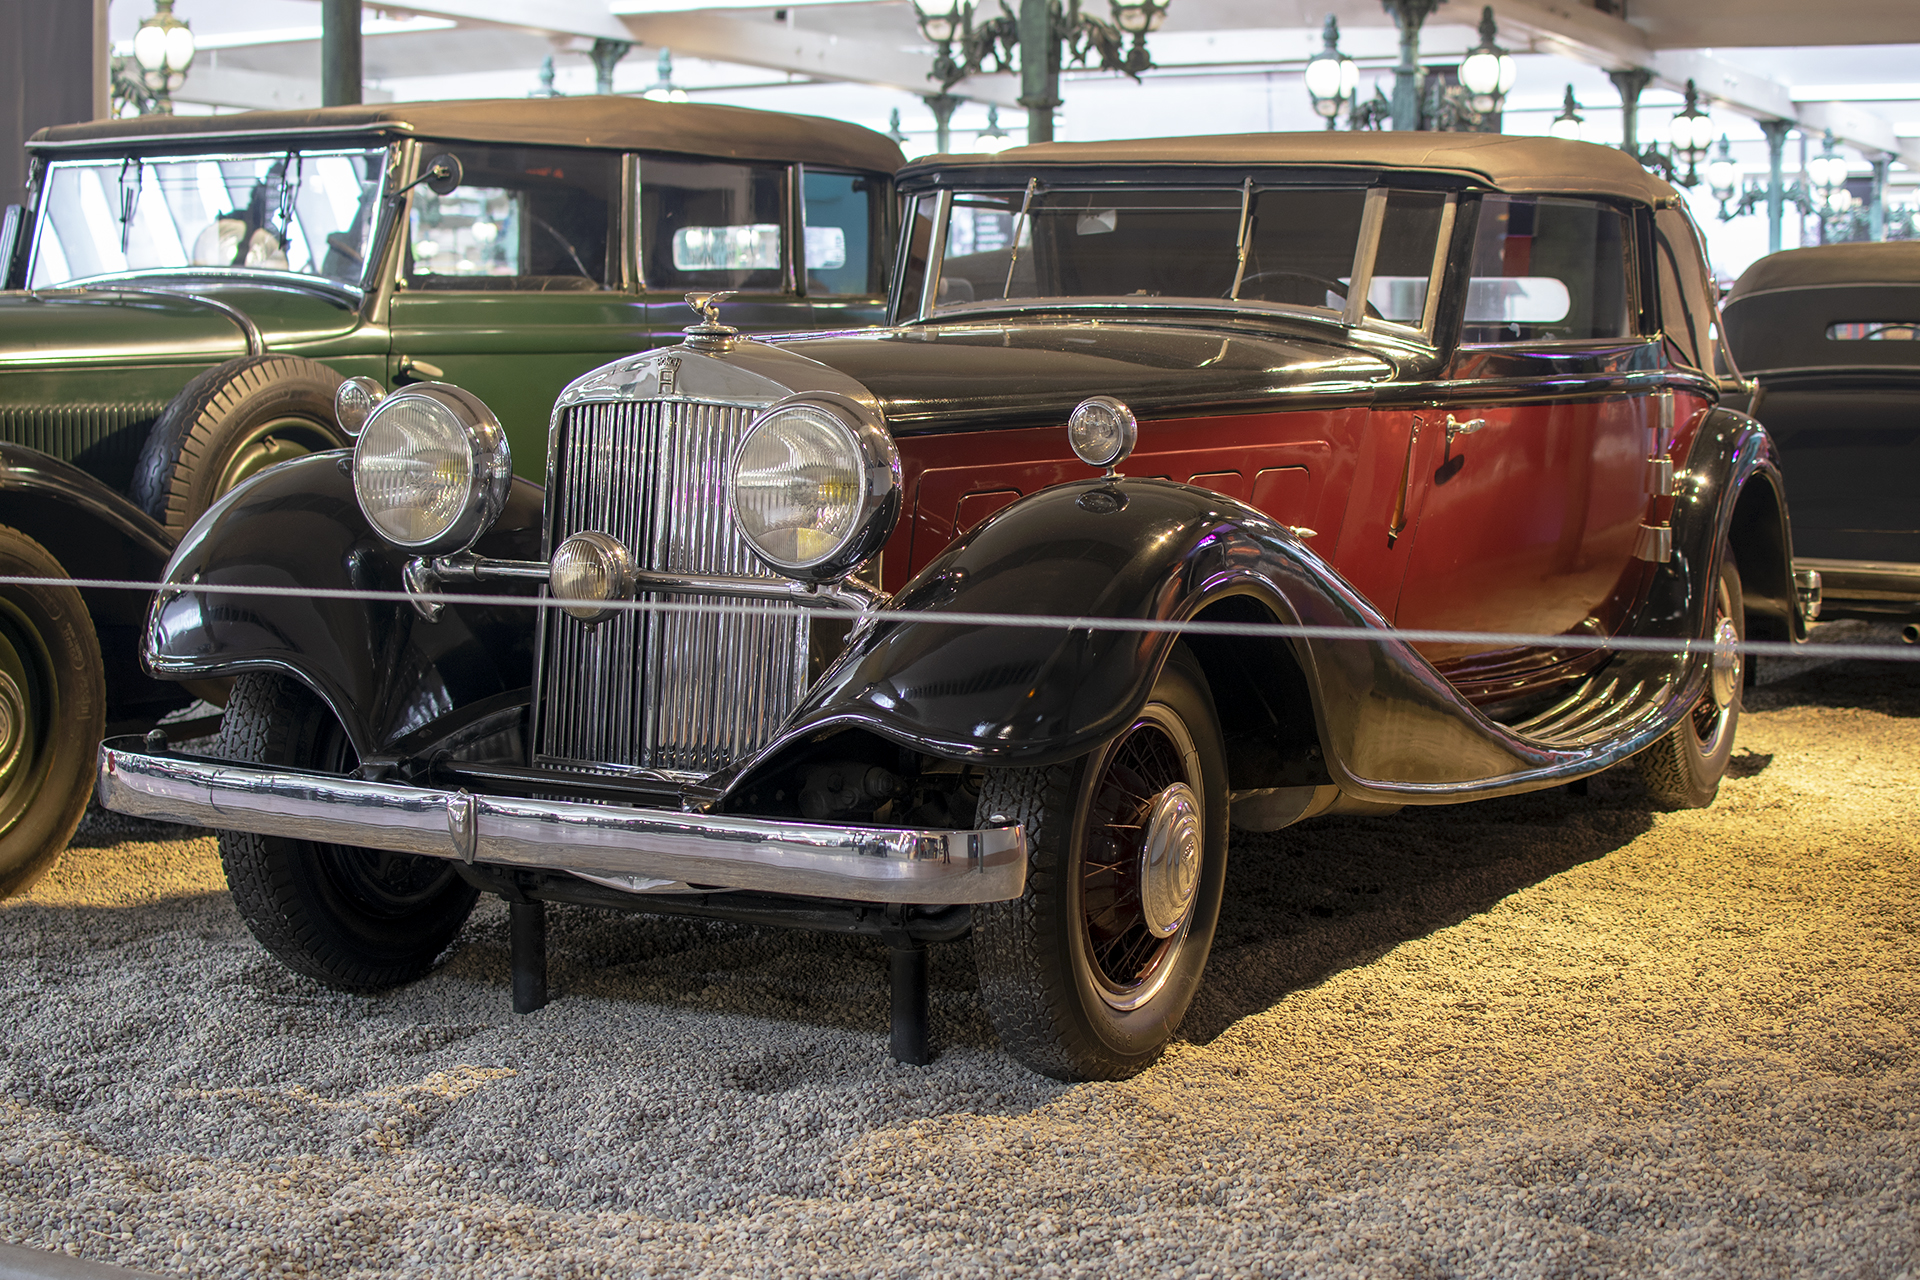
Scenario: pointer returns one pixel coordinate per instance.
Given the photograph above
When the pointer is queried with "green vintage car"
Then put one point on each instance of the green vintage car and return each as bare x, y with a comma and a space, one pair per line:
184, 296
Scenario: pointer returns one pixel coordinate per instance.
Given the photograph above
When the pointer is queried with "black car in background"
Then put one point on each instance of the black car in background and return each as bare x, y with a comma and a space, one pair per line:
1832, 336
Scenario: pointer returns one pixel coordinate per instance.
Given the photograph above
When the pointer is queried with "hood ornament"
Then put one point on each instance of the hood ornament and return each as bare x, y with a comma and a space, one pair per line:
710, 334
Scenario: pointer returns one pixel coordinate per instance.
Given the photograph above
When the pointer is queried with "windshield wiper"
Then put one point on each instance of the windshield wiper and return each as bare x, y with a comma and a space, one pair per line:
1240, 269
1019, 224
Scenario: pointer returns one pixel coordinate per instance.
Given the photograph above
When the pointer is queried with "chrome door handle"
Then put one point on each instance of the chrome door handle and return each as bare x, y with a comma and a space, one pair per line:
1467, 428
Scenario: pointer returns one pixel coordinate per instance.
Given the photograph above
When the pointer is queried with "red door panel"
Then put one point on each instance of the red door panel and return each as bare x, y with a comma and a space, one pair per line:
1527, 525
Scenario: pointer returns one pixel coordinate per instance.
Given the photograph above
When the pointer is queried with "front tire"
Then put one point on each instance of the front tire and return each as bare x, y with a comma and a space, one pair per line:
356, 919
1683, 769
1088, 974
53, 709
229, 424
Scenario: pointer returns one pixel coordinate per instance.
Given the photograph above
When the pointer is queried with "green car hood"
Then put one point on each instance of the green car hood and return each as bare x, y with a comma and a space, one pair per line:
197, 322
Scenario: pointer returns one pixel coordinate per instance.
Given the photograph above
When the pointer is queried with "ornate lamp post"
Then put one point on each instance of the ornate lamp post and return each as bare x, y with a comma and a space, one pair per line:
1488, 71
1690, 134
662, 89
1423, 102
1567, 123
1045, 33
162, 52
1332, 77
993, 137
1723, 175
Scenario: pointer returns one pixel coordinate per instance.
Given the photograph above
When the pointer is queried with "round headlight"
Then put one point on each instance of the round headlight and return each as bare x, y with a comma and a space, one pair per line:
431, 468
1102, 431
816, 487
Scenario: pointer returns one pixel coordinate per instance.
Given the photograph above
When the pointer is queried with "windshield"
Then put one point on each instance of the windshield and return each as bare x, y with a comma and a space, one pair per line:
309, 212
1291, 246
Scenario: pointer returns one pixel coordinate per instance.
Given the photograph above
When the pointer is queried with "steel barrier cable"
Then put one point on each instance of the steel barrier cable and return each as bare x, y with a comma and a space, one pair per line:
1059, 622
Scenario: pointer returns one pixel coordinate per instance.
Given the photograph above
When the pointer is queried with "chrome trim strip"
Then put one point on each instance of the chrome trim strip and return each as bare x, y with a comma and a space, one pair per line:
864, 864
256, 344
161, 141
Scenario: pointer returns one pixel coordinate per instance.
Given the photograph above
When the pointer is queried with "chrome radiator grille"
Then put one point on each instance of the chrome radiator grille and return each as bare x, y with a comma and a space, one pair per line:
676, 692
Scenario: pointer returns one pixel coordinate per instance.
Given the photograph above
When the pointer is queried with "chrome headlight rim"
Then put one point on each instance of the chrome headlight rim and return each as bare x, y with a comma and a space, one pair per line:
877, 509
489, 474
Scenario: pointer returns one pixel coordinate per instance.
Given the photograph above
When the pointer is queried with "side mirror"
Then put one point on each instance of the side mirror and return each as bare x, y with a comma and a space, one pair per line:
444, 174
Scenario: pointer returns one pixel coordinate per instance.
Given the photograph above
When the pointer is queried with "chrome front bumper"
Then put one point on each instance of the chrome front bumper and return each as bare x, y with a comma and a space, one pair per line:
864, 864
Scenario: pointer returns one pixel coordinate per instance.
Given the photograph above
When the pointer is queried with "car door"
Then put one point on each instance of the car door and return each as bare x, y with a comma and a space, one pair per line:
1530, 470
516, 282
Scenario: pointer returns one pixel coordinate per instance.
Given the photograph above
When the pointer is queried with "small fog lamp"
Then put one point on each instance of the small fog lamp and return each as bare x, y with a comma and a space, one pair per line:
354, 403
588, 570
1102, 432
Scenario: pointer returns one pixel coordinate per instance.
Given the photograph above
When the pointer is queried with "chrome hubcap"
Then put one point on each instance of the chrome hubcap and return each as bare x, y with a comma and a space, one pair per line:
1727, 663
13, 714
1170, 860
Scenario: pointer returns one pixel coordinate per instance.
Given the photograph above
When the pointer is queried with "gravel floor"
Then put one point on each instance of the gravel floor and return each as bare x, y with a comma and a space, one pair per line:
1548, 1036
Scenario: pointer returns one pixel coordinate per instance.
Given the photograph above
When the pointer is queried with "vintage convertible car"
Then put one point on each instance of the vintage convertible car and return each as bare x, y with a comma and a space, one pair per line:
185, 295
1832, 336
967, 624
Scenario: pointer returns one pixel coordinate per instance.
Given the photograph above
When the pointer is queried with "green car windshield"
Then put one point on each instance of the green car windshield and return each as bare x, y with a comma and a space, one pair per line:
312, 213
1295, 247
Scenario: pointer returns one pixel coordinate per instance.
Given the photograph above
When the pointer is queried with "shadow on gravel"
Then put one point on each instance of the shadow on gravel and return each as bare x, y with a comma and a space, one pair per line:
1338, 892
1889, 688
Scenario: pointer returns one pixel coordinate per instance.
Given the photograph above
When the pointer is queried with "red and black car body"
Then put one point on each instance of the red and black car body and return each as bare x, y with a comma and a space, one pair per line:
979, 621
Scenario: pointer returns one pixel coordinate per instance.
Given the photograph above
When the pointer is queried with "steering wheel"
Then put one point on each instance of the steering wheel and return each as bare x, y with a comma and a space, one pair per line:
1327, 283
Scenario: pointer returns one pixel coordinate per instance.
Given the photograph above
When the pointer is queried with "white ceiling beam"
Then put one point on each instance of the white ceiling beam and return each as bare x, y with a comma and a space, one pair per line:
217, 86
817, 54
1587, 35
593, 19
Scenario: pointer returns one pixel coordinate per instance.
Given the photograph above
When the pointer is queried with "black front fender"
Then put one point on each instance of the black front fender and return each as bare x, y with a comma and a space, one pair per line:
386, 671
1147, 550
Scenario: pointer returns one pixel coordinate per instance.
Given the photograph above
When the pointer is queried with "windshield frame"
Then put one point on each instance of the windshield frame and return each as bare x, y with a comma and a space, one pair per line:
1378, 187
227, 147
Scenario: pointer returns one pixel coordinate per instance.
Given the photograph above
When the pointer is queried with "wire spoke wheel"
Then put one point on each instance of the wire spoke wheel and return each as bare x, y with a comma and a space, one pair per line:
1131, 953
1089, 972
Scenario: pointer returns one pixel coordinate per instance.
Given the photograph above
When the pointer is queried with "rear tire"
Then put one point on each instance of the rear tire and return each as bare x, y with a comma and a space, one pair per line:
355, 919
1088, 974
1683, 769
53, 709
229, 424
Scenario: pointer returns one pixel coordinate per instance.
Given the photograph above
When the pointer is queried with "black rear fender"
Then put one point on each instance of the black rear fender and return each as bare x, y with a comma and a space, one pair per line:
384, 670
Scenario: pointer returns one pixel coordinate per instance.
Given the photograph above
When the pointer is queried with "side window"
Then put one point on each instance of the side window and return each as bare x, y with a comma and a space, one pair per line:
842, 244
522, 218
1689, 315
1403, 264
710, 225
1545, 269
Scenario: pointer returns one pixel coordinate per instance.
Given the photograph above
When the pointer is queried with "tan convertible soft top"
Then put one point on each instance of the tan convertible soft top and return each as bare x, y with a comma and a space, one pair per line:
627, 124
1520, 165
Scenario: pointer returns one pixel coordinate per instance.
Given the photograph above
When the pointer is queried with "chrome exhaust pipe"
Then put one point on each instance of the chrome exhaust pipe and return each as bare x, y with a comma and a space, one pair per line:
1911, 633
